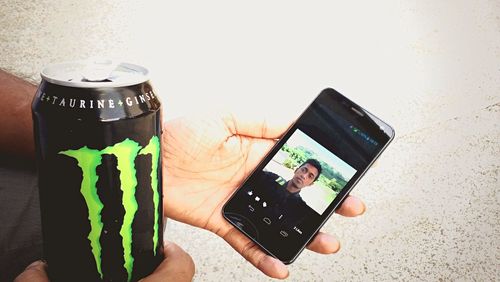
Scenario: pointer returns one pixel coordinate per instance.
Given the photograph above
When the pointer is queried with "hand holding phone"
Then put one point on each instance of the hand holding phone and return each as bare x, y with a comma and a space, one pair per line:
307, 175
206, 158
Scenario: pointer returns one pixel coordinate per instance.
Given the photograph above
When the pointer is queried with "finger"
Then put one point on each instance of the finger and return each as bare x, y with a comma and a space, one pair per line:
270, 266
352, 206
177, 265
324, 244
270, 126
35, 272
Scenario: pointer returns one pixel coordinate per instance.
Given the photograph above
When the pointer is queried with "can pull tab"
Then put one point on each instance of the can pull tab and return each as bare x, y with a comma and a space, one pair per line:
98, 70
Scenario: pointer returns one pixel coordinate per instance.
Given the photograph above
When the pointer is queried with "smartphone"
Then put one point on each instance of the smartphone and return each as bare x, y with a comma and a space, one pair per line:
307, 175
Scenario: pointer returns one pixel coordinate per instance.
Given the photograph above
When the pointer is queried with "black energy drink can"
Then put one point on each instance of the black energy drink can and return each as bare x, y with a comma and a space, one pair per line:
97, 133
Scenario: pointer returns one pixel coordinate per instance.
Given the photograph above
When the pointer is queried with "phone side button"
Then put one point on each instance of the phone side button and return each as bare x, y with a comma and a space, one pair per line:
267, 220
283, 233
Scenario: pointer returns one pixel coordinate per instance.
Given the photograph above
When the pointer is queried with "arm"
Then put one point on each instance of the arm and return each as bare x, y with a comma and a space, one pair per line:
16, 125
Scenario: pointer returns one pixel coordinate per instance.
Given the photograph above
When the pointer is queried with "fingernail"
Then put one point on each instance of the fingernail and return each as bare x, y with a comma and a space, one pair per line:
332, 241
35, 264
364, 209
275, 268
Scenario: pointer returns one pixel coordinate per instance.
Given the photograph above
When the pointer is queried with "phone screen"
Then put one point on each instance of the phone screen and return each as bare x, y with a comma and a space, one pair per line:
307, 174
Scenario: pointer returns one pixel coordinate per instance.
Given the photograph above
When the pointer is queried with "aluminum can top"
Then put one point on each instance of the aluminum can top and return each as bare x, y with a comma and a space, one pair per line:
94, 73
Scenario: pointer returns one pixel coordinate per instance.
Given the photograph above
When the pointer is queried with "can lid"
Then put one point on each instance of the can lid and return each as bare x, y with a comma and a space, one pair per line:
95, 73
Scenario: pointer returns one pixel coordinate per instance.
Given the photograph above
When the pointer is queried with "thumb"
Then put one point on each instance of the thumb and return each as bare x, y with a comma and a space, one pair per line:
35, 272
177, 265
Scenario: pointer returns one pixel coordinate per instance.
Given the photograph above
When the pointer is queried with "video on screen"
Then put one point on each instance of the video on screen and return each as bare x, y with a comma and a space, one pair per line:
306, 173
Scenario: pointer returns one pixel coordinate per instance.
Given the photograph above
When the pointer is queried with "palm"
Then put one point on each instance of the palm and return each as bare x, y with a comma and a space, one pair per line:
204, 162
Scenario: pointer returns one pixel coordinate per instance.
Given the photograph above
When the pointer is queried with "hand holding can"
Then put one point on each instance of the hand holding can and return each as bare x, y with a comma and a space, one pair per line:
99, 158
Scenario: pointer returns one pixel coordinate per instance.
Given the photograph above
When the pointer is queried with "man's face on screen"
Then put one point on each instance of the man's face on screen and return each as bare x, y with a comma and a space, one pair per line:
304, 176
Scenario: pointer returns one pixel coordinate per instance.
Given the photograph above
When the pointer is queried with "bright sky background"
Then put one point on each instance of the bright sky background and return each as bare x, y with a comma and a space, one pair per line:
299, 138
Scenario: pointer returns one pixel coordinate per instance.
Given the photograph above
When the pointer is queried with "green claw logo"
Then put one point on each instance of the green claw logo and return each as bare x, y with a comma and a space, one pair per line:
125, 152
